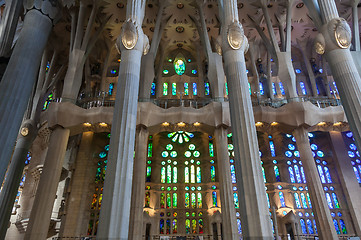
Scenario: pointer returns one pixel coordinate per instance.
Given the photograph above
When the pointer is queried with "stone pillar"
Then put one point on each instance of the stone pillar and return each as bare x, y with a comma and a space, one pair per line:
325, 227
138, 187
348, 180
230, 230
78, 201
48, 184
8, 25
115, 213
15, 172
21, 73
251, 189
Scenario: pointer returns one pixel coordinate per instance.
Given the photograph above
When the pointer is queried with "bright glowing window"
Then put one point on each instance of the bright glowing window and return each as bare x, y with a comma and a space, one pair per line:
303, 226
329, 201
303, 199
214, 199
213, 174
235, 198
206, 89
272, 147
195, 89
297, 200
310, 227
303, 88
343, 226
277, 173
274, 89
152, 90
179, 66
165, 89
281, 88
233, 174
335, 223
282, 199
174, 89
261, 91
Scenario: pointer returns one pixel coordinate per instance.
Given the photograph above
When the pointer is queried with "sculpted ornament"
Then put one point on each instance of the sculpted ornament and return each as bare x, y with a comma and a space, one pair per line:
341, 31
146, 46
319, 44
235, 35
50, 8
129, 34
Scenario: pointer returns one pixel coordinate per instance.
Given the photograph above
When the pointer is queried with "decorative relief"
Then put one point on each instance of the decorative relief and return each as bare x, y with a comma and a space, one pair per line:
129, 35
50, 8
319, 44
342, 32
235, 35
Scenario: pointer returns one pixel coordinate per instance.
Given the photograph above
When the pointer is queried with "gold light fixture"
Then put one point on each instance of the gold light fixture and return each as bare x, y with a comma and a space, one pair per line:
87, 124
165, 124
129, 35
181, 124
197, 124
235, 36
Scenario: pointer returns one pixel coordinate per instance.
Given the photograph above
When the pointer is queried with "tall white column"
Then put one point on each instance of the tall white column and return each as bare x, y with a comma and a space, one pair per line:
115, 213
21, 73
229, 219
325, 227
348, 180
136, 230
251, 189
45, 195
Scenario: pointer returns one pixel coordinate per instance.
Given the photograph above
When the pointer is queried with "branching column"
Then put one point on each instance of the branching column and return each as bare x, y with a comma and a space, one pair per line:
348, 180
225, 181
251, 189
45, 195
325, 227
115, 213
21, 73
138, 192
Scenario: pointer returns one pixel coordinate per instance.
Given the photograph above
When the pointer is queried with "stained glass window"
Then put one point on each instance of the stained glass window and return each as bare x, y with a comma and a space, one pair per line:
200, 223
193, 200
199, 198
48, 101
310, 227
165, 89
199, 177
211, 149
226, 86
335, 223
194, 226
150, 149
303, 88
335, 200
309, 200
303, 199
206, 88
236, 202
214, 199
292, 175
281, 88
194, 89
263, 173
111, 89
147, 199
175, 226
179, 66
169, 174
149, 174
303, 175
272, 147
186, 89
193, 179
277, 173
186, 174
274, 89
174, 89
261, 91
233, 174
282, 199
298, 175
239, 226
187, 200
169, 201
213, 174
329, 201
297, 200
162, 200
152, 90
320, 172
303, 226
343, 226
328, 175
161, 226
188, 226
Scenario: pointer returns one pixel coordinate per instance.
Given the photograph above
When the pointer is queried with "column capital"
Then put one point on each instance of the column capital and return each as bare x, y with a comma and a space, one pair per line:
49, 8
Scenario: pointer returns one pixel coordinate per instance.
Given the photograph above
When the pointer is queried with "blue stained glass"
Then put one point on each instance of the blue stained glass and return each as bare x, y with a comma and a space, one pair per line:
335, 200
353, 147
335, 223
161, 226
351, 154
303, 175
297, 200
233, 174
152, 90
277, 174
288, 154
292, 176
291, 147
343, 226
226, 88
334, 84
303, 88
179, 66
320, 172
320, 154
349, 134
314, 147
282, 88
260, 153
274, 89
239, 226
186, 89
206, 88
329, 201
174, 89
261, 91
303, 199
297, 154
314, 224
328, 175
264, 175
282, 199
288, 135
298, 175
102, 154
235, 197
303, 226
194, 89
310, 227
268, 202
357, 174
272, 147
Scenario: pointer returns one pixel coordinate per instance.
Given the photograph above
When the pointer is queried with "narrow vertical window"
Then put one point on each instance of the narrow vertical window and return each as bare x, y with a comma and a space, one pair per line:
111, 89
174, 89
298, 175
150, 149
329, 201
194, 89
303, 199
309, 200
214, 199
213, 174
282, 199
310, 227
211, 149
194, 226
335, 223
272, 147
268, 202
162, 200
226, 89
199, 176
328, 175
193, 179
186, 89
343, 226
147, 199
186, 174
303, 88
282, 88
168, 226
292, 175
303, 174
200, 223
175, 200
175, 226
320, 172
169, 201
206, 88
169, 174
239, 226
303, 226
233, 174
175, 174
297, 200
249, 89
186, 200
149, 174
188, 226
152, 90
199, 200
335, 200
277, 174
263, 173
261, 91
161, 226
162, 175
165, 89
274, 89
193, 200
235, 198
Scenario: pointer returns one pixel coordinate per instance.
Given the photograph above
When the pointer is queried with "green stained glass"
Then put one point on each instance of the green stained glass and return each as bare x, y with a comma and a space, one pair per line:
199, 198
170, 135
186, 89
165, 89
214, 199
175, 228
186, 138
147, 199
188, 226
169, 201
169, 147
194, 226
199, 177
162, 200
150, 150
198, 163
230, 147
193, 200
229, 135
102, 154
165, 154
106, 147
174, 139
188, 154
193, 214
175, 200
47, 102
213, 174
186, 174
162, 175
169, 174
226, 89
211, 149
149, 173
193, 180
175, 174
236, 203
187, 214
196, 154
179, 66
174, 89
186, 202
200, 223
264, 175
192, 147
173, 154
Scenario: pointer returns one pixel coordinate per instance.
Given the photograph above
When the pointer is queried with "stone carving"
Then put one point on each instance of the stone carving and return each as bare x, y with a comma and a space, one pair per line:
50, 8
235, 35
342, 32
129, 34
319, 44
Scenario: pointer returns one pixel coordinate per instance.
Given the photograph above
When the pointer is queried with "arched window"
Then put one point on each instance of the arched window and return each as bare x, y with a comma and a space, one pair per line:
175, 226
199, 176
195, 89
174, 89
175, 200
297, 200
329, 201
233, 174
200, 223
193, 180
239, 226
298, 175
165, 89
213, 174
310, 227
303, 199
147, 199
335, 223
188, 226
277, 173
236, 202
282, 88
263, 173
168, 226
343, 226
261, 90
199, 200
303, 226
303, 88
292, 175
161, 226
320, 172
282, 199
206, 89
194, 226
335, 200
187, 200
193, 200
214, 199
186, 174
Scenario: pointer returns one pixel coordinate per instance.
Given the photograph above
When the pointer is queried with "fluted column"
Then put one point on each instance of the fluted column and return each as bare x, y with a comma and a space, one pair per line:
136, 230
21, 73
325, 227
45, 195
115, 213
8, 25
348, 180
251, 189
230, 230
